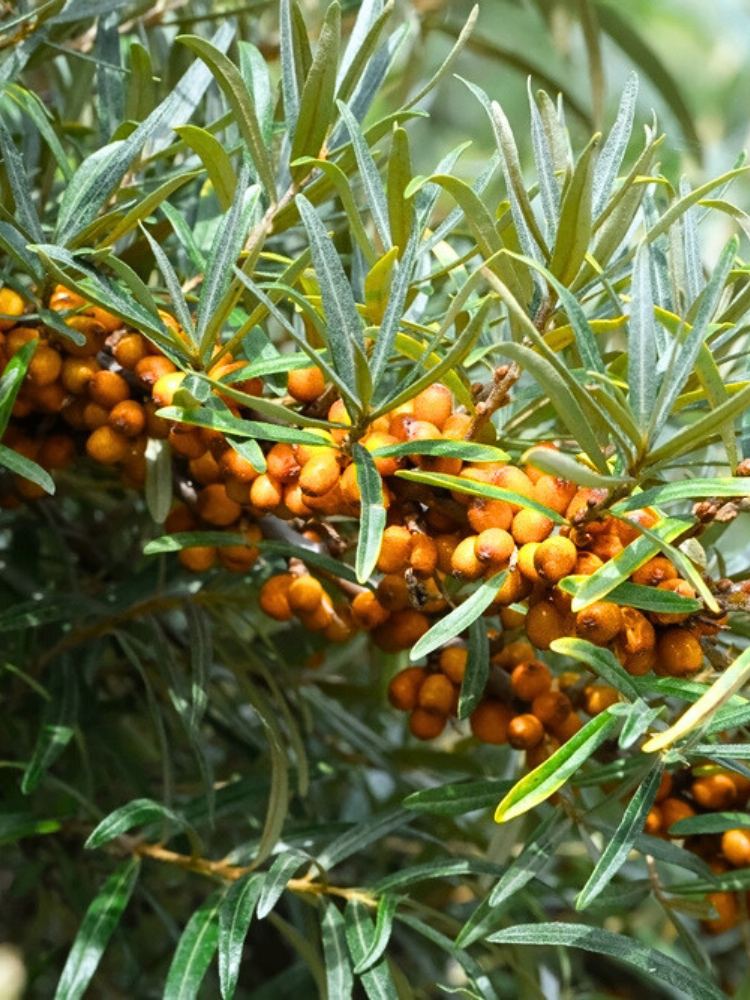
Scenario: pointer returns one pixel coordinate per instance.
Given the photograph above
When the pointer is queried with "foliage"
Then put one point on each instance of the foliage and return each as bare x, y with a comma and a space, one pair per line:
200, 801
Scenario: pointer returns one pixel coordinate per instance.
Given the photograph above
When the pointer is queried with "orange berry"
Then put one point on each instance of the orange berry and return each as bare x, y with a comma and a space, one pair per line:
11, 305
678, 652
599, 622
368, 612
586, 564
237, 466
568, 727
584, 500
186, 441
107, 446
494, 547
525, 562
92, 333
197, 558
509, 477
727, 915
544, 624
673, 810
395, 549
681, 587
456, 427
320, 474
637, 634
166, 386
452, 661
385, 465
152, 367
654, 572
653, 822
714, 791
735, 846
514, 653
403, 690
529, 680
640, 664
551, 708
45, 366
525, 732
130, 349
446, 545
600, 696
108, 388
128, 417
266, 493
484, 514
294, 501
56, 452
205, 470
215, 507
435, 403
555, 558
490, 720
320, 617
180, 518
529, 526
393, 592
424, 555
437, 694
282, 463
426, 725
554, 493
464, 561
627, 529
401, 631
512, 589
240, 558
305, 594
306, 384
511, 619
274, 597
665, 787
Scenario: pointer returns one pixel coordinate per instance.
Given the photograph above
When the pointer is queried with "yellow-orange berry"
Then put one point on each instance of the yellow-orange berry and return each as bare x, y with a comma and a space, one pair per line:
240, 558
424, 555
529, 680
130, 349
435, 403
437, 694
274, 597
678, 652
513, 588
683, 589
464, 561
544, 624
198, 558
401, 631
151, 368
525, 732
237, 466
45, 366
599, 622
108, 388
107, 446
426, 725
554, 493
393, 592
530, 526
673, 810
385, 464
714, 791
56, 451
452, 661
735, 846
494, 547
586, 564
265, 492
282, 463
654, 572
484, 514
555, 558
128, 417
11, 305
551, 708
600, 696
509, 477
215, 507
727, 913
637, 634
653, 822
320, 474
395, 549
367, 611
490, 720
403, 690
306, 384
305, 594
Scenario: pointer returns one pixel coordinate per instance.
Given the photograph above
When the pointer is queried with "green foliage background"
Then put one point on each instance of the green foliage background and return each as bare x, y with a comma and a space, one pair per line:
157, 710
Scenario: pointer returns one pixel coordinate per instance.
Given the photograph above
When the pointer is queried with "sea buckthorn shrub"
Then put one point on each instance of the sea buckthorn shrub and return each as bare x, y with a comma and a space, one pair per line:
375, 580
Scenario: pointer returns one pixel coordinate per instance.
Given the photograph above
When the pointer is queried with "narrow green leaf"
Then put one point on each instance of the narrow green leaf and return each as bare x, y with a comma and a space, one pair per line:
400, 208
58, 726
316, 103
643, 379
450, 868
339, 978
362, 835
387, 906
235, 915
635, 595
158, 489
460, 618
469, 451
549, 189
613, 151
685, 489
377, 981
602, 661
284, 867
619, 846
214, 158
715, 822
241, 103
459, 798
556, 463
99, 923
236, 426
652, 963
546, 779
139, 812
12, 379
24, 467
574, 227
369, 176
697, 434
194, 952
537, 853
477, 669
372, 513
20, 187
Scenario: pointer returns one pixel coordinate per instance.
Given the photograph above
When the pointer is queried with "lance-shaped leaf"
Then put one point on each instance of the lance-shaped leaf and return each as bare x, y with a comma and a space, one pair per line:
685, 489
316, 103
602, 661
456, 799
339, 978
477, 669
400, 208
619, 846
26, 211
377, 981
695, 435
549, 188
650, 962
372, 513
612, 152
574, 227
235, 915
344, 326
387, 906
159, 479
241, 103
731, 681
369, 176
102, 917
58, 726
12, 378
281, 871
139, 812
549, 777
460, 618
487, 490
643, 378
214, 158
194, 952
563, 466
537, 853
469, 451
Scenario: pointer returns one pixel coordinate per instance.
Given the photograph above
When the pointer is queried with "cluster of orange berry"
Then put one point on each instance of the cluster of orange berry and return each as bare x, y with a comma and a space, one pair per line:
705, 789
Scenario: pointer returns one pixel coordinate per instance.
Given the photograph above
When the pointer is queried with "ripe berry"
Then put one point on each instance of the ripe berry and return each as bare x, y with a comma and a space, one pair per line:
599, 622
56, 452
654, 572
368, 612
273, 597
11, 305
426, 725
677, 586
653, 822
128, 417
555, 558
45, 366
108, 388
130, 349
437, 694
678, 652
215, 507
403, 690
395, 549
198, 558
107, 446
544, 624
435, 403
483, 514
320, 474
735, 846
424, 555
509, 477
529, 526
282, 463
673, 810
401, 631
452, 661
494, 547
490, 720
393, 592
205, 470
306, 384
637, 634
600, 696
525, 732
151, 368
714, 791
727, 915
320, 617
554, 493
237, 466
305, 594
551, 708
464, 561
529, 680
